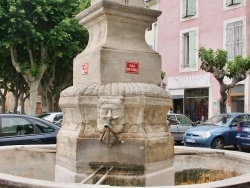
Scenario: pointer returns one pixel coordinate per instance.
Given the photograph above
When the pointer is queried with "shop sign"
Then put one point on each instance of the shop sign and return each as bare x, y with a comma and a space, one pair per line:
190, 81
132, 67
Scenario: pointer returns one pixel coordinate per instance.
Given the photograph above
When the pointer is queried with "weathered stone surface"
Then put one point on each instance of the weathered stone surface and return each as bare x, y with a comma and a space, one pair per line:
128, 2
111, 116
138, 112
116, 36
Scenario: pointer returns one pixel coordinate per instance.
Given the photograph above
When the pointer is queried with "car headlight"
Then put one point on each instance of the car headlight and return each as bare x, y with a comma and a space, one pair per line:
205, 134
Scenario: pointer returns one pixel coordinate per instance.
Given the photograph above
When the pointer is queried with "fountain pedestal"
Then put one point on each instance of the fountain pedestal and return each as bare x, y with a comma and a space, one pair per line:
116, 78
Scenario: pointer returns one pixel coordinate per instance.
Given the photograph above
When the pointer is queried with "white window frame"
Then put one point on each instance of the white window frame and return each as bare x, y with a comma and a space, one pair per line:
226, 8
244, 33
182, 43
189, 17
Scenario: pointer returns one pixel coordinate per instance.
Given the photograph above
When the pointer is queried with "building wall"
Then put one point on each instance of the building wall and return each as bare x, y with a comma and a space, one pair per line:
209, 21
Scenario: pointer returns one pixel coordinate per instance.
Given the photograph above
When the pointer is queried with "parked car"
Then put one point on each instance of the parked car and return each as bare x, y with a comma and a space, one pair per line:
18, 129
243, 136
217, 132
178, 125
51, 116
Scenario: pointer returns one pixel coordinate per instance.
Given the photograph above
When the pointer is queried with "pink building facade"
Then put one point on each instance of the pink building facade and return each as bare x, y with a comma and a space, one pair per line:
184, 27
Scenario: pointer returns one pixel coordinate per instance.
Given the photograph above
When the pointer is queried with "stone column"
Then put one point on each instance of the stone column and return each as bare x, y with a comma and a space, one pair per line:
115, 112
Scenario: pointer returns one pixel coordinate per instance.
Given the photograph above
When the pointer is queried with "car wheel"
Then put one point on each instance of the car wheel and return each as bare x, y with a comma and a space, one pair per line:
240, 148
218, 143
178, 142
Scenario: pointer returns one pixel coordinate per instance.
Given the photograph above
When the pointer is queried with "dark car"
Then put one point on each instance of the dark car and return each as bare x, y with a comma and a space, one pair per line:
243, 136
217, 132
178, 125
18, 129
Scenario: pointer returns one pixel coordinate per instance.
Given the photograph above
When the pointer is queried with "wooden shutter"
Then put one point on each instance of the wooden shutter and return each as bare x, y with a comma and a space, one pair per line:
184, 8
191, 10
230, 40
238, 38
185, 63
237, 1
192, 49
229, 2
234, 39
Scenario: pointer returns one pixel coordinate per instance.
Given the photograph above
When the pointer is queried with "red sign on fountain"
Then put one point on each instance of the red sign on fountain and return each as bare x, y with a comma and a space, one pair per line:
132, 67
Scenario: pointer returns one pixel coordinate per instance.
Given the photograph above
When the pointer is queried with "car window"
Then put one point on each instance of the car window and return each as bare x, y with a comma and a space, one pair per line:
220, 119
58, 117
239, 119
44, 127
16, 126
42, 115
171, 117
183, 120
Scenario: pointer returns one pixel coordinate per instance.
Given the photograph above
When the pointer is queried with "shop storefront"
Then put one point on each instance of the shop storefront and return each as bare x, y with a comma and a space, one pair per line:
190, 95
235, 99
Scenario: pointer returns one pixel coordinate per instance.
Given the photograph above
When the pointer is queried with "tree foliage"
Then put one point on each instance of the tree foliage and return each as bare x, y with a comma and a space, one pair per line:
217, 63
41, 34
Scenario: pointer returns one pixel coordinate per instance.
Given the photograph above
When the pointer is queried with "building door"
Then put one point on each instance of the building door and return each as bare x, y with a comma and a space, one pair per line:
196, 104
178, 106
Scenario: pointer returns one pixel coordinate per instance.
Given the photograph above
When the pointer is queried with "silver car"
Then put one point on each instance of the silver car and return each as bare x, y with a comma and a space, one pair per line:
178, 125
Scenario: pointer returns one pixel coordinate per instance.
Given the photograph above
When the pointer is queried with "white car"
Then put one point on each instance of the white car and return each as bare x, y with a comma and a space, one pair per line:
51, 116
178, 125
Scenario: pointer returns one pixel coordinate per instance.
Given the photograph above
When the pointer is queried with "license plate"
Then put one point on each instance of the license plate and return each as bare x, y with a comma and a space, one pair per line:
190, 140
246, 129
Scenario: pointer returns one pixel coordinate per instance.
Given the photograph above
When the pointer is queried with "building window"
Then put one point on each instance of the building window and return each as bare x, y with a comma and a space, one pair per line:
188, 8
233, 2
235, 39
188, 59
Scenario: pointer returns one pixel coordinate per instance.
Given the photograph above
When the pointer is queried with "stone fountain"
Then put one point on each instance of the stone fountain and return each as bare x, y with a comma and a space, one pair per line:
114, 126
115, 112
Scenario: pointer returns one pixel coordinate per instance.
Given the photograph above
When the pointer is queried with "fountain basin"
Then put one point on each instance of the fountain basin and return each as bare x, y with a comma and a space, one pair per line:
34, 166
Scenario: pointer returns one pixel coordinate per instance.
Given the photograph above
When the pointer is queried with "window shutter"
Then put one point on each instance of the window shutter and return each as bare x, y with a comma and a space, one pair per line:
237, 1
230, 40
238, 37
184, 8
191, 11
185, 50
192, 49
229, 2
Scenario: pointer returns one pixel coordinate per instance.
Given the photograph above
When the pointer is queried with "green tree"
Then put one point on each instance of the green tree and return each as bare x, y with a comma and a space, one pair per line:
34, 32
10, 81
217, 63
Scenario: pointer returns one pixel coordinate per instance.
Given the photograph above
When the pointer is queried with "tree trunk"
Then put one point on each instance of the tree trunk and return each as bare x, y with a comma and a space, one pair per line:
3, 97
32, 81
44, 101
58, 109
50, 102
15, 103
3, 105
223, 99
33, 97
22, 104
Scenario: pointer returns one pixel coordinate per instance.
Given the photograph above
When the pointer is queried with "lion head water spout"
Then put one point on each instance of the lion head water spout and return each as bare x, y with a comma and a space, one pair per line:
115, 112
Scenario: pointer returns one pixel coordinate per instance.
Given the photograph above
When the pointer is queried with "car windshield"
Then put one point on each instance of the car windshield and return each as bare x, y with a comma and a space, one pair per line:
221, 119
